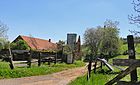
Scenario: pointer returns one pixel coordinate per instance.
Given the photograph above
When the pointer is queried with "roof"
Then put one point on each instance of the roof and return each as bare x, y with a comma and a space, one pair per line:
39, 44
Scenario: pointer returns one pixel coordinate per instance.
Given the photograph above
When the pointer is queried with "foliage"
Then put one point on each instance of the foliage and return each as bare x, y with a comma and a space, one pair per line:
103, 39
67, 49
92, 39
20, 45
60, 46
4, 43
6, 72
110, 40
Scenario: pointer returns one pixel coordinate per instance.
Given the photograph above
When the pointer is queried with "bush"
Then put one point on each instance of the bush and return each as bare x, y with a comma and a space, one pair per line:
20, 45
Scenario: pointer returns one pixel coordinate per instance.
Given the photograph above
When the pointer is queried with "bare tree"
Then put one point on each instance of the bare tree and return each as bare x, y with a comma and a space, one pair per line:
3, 36
135, 19
3, 30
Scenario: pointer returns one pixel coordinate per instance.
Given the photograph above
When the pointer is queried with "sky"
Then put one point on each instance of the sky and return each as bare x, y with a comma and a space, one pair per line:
53, 19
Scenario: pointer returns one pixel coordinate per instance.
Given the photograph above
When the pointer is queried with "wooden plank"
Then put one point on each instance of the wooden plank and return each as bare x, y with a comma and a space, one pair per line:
106, 63
124, 73
124, 62
119, 68
109, 66
127, 83
5, 51
19, 51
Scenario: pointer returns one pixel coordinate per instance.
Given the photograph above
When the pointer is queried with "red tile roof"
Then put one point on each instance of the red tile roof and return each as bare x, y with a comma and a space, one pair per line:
39, 44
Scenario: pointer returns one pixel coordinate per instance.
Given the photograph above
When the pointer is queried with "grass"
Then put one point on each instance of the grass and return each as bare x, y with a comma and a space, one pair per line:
6, 72
102, 77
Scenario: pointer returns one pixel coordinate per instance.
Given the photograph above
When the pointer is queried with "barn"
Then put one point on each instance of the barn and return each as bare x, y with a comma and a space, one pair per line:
37, 43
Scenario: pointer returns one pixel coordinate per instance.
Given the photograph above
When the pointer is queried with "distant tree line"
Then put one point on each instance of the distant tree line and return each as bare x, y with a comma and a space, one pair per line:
136, 40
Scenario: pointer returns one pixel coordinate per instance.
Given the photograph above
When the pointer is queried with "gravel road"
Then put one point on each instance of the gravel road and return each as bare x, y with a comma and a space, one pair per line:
59, 78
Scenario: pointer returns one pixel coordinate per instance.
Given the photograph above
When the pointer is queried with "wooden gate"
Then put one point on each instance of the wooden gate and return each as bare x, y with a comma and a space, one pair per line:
132, 62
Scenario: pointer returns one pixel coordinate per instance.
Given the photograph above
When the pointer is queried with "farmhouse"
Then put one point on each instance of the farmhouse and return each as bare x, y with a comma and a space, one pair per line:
38, 44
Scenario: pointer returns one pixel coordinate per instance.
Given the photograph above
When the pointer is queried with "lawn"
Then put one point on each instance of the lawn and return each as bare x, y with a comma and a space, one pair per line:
6, 72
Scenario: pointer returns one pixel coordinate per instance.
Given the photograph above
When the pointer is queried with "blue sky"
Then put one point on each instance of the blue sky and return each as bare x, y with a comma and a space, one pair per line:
55, 18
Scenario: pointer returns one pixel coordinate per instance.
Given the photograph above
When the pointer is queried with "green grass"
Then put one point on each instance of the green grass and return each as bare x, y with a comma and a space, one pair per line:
6, 72
100, 78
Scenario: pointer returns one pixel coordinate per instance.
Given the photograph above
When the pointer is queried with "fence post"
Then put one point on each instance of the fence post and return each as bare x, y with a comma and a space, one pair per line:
10, 59
89, 69
55, 59
95, 66
29, 59
39, 59
131, 52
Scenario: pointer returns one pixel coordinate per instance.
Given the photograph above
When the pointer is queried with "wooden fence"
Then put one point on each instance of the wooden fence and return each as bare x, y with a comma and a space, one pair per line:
26, 57
132, 62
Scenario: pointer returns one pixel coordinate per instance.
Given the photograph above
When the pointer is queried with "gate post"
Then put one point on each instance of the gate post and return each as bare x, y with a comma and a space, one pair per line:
131, 52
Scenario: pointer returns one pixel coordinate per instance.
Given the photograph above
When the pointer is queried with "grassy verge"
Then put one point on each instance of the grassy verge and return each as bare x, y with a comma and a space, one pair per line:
102, 77
6, 72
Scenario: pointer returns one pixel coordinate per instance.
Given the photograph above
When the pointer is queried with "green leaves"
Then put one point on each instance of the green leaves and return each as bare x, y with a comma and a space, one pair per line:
20, 45
4, 43
103, 39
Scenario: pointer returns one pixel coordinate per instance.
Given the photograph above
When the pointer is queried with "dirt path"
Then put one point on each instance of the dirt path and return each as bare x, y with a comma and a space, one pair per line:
59, 78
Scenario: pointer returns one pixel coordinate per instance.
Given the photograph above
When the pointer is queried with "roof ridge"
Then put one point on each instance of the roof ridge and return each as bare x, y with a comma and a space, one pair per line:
40, 43
33, 37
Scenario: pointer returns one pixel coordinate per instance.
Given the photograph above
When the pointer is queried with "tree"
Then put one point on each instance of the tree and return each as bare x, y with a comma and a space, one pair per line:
4, 43
60, 45
103, 39
92, 39
3, 30
135, 18
110, 40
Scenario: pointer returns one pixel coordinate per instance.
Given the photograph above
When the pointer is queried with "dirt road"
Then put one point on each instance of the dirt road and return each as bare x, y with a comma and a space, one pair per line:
59, 78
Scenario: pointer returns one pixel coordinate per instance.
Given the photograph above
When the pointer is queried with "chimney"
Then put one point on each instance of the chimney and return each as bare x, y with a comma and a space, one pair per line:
49, 40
